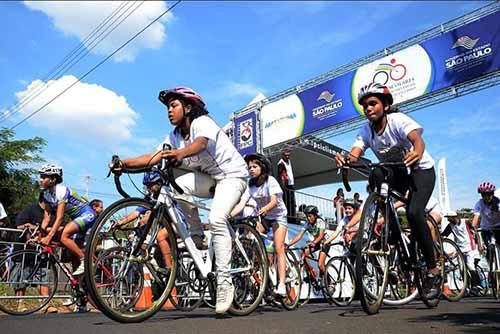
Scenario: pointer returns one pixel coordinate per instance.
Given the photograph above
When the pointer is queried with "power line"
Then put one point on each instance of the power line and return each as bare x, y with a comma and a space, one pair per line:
75, 56
96, 66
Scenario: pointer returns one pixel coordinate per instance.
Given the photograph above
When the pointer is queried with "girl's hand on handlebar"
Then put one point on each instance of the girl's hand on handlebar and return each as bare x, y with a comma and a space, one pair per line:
175, 155
340, 159
412, 157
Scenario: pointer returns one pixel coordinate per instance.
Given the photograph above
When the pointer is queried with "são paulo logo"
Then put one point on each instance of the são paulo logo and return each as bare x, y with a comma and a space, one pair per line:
472, 53
465, 42
330, 108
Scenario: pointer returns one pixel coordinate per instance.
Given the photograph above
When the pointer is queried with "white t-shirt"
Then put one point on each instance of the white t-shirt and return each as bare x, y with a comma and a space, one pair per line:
462, 236
3, 214
289, 171
262, 196
220, 159
395, 134
489, 218
433, 205
315, 230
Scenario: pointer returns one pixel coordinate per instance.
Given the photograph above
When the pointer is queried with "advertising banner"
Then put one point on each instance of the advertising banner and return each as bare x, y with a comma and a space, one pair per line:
459, 55
444, 197
245, 130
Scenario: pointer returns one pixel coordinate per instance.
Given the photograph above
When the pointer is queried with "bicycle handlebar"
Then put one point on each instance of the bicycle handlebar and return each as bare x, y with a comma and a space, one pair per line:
166, 170
358, 166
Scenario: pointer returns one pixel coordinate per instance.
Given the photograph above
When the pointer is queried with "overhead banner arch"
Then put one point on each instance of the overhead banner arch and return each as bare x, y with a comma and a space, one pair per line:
462, 54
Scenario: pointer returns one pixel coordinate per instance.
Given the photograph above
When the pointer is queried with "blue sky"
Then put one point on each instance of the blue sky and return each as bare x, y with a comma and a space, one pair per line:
229, 52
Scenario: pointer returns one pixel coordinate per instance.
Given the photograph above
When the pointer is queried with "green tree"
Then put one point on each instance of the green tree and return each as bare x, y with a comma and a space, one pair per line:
18, 187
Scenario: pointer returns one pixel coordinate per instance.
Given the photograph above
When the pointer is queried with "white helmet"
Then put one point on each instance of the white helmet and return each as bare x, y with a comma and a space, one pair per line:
52, 170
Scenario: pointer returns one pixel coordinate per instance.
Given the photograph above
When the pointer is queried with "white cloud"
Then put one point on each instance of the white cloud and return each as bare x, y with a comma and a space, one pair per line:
86, 111
240, 89
80, 18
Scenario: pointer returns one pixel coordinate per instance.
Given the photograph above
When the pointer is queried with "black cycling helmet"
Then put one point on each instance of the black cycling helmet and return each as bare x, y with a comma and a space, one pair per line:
351, 202
311, 209
260, 157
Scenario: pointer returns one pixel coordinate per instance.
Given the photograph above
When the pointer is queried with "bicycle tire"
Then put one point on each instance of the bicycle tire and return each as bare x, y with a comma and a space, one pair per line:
33, 275
494, 272
249, 287
375, 266
101, 236
346, 283
430, 300
306, 279
293, 282
454, 264
400, 282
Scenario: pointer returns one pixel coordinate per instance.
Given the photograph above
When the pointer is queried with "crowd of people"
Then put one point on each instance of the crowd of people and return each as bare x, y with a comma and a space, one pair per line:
233, 181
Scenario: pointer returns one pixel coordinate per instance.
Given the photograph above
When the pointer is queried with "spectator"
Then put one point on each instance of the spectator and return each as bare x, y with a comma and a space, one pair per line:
97, 205
340, 200
286, 179
357, 198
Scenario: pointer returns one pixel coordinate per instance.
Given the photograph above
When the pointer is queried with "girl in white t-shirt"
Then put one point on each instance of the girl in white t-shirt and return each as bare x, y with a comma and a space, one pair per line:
394, 136
219, 173
267, 193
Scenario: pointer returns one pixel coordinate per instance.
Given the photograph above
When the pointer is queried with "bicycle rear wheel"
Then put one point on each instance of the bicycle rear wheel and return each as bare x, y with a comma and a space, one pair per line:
339, 281
455, 271
250, 284
372, 252
186, 296
28, 281
293, 282
127, 287
401, 282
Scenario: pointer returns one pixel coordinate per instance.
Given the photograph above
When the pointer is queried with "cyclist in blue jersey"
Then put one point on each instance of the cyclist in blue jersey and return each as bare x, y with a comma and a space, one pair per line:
61, 200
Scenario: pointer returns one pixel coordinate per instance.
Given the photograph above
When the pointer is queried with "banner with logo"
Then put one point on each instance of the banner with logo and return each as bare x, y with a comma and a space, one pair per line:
459, 55
245, 129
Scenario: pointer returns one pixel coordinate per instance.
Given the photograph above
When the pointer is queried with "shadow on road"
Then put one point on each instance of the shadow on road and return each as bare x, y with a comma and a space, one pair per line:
483, 320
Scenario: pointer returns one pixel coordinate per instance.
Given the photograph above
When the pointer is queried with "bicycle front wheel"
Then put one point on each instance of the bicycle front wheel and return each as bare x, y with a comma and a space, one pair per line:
293, 282
455, 271
372, 252
128, 284
339, 281
494, 271
249, 269
28, 281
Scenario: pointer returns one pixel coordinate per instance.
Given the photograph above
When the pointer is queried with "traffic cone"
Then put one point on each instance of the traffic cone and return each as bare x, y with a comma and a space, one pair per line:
146, 299
446, 290
168, 304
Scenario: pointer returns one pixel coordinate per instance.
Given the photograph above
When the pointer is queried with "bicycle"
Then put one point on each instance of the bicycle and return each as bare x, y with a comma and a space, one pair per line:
379, 234
493, 257
340, 281
249, 266
293, 281
34, 270
315, 282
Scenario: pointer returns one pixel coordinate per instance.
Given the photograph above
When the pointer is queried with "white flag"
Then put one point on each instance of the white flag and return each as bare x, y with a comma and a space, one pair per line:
444, 196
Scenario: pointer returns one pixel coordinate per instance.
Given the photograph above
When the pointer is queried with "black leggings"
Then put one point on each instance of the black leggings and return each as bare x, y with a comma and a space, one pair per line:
421, 185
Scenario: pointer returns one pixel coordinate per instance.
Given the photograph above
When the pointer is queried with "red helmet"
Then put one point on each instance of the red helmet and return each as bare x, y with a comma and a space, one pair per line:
486, 187
182, 92
375, 88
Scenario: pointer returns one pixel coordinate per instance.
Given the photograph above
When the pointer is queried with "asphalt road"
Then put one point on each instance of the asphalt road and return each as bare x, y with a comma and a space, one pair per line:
481, 316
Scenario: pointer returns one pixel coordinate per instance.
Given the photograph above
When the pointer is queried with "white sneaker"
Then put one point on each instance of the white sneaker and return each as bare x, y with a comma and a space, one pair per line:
281, 290
225, 296
68, 302
80, 270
